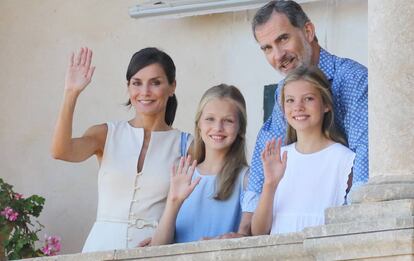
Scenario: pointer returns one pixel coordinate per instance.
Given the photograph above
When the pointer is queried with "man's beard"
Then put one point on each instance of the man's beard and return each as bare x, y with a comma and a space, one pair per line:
307, 54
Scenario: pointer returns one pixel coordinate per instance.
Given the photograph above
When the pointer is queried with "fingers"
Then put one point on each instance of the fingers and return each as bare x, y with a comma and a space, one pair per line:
145, 242
71, 59
84, 55
180, 166
78, 57
186, 164
90, 72
230, 235
284, 157
83, 58
173, 170
185, 167
194, 183
192, 168
88, 58
277, 147
266, 150
272, 149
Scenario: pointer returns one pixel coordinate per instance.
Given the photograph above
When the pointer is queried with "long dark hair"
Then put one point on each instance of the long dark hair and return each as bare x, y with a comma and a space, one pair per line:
152, 55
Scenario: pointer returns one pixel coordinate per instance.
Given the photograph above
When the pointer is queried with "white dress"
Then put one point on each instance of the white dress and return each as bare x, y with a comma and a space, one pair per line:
130, 203
311, 183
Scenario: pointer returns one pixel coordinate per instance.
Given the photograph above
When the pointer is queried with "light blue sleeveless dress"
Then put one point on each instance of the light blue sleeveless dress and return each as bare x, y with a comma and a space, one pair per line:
203, 216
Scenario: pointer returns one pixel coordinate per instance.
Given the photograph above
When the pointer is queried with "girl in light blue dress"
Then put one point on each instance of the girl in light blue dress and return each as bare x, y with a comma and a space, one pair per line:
205, 194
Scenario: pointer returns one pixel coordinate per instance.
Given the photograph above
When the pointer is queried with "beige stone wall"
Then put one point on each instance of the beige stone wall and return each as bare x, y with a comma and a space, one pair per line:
36, 38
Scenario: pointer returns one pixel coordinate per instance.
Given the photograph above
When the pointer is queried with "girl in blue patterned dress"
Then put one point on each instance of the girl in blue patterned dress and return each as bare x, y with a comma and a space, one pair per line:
205, 194
312, 172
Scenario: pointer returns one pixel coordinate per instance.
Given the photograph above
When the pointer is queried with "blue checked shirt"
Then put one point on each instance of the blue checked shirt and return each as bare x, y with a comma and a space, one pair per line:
349, 83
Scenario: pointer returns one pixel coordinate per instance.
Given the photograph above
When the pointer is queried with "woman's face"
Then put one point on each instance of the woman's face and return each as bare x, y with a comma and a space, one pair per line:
149, 90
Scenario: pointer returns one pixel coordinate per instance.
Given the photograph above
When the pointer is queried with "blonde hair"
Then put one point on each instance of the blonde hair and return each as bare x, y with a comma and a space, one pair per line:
317, 78
235, 158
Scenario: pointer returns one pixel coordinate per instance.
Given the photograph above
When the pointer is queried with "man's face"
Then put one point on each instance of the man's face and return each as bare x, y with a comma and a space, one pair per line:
286, 47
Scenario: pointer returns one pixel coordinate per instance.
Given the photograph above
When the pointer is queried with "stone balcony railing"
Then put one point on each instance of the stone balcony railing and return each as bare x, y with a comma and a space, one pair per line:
370, 231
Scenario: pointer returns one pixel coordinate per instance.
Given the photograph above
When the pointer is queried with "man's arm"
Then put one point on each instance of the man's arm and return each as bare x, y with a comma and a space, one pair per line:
273, 127
355, 98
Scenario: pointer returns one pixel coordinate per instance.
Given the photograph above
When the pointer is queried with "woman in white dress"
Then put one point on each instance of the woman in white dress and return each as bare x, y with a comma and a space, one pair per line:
135, 156
312, 172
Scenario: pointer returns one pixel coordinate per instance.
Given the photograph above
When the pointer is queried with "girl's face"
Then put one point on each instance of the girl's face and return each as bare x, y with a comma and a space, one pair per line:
219, 124
303, 105
149, 90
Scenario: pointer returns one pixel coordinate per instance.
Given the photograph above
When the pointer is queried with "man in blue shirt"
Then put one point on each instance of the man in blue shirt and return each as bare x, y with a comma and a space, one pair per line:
287, 38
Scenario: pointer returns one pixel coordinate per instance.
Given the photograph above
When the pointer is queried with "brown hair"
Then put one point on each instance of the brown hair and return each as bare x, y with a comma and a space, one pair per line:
235, 159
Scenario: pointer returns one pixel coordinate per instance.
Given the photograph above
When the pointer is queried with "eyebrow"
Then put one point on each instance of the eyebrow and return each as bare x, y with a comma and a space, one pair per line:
214, 114
155, 78
308, 93
276, 40
279, 38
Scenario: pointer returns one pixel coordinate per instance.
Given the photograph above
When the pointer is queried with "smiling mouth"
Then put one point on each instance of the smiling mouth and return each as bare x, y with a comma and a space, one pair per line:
217, 137
145, 102
300, 118
286, 62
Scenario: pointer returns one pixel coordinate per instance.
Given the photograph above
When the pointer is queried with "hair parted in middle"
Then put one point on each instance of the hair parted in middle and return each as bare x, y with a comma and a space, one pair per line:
149, 56
317, 78
235, 159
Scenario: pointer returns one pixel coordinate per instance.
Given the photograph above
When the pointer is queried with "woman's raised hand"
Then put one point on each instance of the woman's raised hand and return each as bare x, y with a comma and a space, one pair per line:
80, 71
181, 184
274, 165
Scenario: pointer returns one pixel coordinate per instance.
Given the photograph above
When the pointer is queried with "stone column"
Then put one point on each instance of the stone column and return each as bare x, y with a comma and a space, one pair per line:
379, 224
391, 101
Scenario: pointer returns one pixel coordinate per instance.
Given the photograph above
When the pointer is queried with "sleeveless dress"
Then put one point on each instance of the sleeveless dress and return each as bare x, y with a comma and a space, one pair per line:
312, 183
202, 216
130, 204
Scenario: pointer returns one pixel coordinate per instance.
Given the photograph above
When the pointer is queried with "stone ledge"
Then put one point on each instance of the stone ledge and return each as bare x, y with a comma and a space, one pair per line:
361, 227
392, 179
266, 247
383, 245
106, 255
382, 192
369, 211
281, 247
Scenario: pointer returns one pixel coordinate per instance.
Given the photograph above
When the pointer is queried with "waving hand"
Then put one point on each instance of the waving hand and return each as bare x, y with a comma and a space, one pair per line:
181, 180
274, 164
80, 71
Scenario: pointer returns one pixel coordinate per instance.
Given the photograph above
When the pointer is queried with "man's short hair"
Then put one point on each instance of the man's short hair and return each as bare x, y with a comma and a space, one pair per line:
291, 9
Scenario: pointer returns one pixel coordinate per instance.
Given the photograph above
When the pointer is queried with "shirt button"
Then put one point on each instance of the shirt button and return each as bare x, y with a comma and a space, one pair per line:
140, 224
